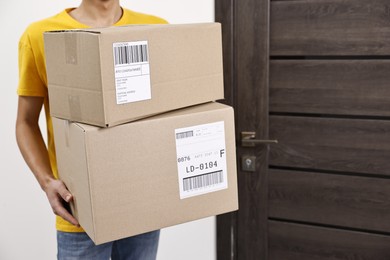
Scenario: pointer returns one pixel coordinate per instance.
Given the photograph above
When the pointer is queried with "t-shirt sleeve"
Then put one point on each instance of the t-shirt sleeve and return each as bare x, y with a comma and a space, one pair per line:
30, 82
162, 20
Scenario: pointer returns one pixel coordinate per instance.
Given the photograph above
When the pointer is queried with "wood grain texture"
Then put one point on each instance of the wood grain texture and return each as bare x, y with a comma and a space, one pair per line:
226, 223
334, 144
224, 14
251, 63
337, 200
340, 87
301, 242
330, 27
226, 233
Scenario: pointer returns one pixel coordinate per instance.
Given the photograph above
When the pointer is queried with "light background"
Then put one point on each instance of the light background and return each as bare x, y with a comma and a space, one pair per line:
26, 221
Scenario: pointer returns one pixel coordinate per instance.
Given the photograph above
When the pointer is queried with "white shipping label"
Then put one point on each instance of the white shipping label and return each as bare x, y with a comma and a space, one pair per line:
132, 75
201, 159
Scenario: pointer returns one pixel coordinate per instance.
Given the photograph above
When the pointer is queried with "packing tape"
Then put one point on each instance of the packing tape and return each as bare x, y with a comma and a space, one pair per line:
71, 48
74, 107
66, 127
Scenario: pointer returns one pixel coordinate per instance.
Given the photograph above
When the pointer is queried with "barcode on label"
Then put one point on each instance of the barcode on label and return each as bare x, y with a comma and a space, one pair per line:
184, 134
130, 54
203, 180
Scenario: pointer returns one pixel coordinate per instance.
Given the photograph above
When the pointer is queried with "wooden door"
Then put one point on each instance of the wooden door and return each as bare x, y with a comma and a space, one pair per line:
315, 75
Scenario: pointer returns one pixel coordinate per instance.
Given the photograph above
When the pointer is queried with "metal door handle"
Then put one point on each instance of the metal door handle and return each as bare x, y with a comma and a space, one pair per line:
248, 139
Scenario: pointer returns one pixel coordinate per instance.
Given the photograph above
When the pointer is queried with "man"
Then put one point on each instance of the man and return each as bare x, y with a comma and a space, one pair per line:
73, 243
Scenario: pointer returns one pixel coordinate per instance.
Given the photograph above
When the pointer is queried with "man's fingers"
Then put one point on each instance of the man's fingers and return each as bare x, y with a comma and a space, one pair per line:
63, 213
64, 193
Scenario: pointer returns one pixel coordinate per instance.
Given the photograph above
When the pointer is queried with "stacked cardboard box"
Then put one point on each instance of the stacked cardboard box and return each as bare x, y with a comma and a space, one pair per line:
139, 142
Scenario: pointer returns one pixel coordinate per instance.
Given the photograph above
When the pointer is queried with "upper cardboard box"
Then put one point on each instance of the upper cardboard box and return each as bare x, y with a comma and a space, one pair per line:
113, 75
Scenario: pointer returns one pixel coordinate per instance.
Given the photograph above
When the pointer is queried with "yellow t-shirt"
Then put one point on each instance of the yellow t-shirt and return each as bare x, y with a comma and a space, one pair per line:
32, 70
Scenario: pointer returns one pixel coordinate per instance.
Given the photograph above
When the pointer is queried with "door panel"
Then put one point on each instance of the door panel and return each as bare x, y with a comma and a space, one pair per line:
338, 87
329, 111
302, 242
358, 202
333, 144
330, 27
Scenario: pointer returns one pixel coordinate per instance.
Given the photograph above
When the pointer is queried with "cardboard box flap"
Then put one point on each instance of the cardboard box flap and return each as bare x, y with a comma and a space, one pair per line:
85, 127
115, 29
143, 27
204, 108
72, 31
73, 59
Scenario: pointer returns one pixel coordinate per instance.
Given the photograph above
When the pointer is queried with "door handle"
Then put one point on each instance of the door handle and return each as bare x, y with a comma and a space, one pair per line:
248, 139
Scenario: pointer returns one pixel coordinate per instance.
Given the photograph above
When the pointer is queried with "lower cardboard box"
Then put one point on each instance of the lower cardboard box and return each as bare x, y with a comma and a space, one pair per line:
149, 174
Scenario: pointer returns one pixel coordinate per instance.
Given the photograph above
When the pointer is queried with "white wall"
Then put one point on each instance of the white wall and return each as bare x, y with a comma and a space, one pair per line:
26, 221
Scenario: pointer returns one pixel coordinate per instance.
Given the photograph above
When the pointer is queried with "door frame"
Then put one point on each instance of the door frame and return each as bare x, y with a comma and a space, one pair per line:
243, 234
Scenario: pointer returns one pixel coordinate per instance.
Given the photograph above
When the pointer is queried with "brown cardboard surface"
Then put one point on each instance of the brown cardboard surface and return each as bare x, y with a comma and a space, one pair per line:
125, 178
185, 69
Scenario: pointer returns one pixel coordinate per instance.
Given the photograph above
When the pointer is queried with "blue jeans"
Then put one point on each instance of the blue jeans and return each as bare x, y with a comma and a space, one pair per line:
73, 246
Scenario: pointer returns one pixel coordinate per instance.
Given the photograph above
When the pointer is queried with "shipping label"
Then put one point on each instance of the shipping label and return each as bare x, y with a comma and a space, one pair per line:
201, 159
132, 72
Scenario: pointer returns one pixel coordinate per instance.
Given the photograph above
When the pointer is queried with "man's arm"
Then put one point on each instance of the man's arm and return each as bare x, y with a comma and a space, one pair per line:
34, 151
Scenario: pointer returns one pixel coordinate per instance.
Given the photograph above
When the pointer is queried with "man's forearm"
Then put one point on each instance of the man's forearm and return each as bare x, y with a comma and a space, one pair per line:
34, 151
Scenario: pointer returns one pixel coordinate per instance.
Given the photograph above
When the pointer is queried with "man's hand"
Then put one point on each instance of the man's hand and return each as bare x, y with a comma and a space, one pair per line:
58, 194
34, 151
